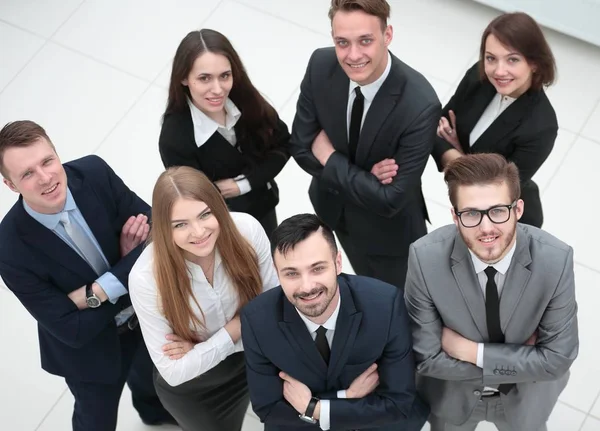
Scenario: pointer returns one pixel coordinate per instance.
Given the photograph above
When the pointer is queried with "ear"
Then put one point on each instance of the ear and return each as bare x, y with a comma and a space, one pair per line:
338, 262
185, 82
388, 35
10, 185
454, 217
519, 209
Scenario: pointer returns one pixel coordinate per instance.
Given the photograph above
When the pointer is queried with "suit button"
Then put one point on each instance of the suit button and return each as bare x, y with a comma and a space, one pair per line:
514, 373
502, 372
496, 372
476, 393
333, 191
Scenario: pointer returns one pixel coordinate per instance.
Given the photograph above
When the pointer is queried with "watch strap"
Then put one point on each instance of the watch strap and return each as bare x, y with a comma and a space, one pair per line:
312, 405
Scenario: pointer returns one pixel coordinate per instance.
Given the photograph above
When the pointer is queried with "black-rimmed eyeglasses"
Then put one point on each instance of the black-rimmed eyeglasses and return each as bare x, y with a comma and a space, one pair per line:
497, 214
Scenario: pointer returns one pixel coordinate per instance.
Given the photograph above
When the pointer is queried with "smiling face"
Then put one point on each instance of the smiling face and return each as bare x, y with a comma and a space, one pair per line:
195, 228
210, 82
360, 45
507, 70
308, 276
489, 241
38, 175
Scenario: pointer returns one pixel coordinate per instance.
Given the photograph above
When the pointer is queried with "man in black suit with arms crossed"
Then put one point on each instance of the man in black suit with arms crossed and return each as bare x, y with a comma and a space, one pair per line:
364, 128
327, 350
66, 249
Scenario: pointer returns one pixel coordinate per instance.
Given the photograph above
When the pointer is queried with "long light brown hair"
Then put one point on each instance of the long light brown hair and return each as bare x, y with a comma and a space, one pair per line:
170, 270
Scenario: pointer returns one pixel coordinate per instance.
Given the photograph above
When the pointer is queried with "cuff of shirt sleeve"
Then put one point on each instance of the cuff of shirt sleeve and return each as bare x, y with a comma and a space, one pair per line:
243, 184
111, 285
223, 343
480, 355
341, 394
324, 422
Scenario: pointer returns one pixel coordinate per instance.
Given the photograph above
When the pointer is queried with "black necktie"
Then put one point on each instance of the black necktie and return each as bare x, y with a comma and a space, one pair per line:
355, 122
492, 312
322, 344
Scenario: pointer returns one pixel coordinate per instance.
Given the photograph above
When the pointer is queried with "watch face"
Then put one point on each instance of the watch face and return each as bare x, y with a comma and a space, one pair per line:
308, 419
93, 302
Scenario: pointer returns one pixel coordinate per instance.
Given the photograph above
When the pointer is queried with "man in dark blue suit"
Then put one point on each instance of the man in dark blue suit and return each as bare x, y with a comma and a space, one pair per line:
327, 350
66, 249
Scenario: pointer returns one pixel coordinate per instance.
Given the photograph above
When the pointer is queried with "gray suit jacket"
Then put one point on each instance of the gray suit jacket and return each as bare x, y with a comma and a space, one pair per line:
539, 294
400, 124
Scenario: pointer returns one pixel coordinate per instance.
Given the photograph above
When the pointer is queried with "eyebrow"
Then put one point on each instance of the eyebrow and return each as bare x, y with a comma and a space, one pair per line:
288, 268
477, 209
201, 213
210, 74
28, 168
507, 55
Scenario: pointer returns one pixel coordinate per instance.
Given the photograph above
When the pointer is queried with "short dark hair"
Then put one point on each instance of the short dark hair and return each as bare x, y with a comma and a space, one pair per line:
378, 8
481, 169
19, 134
522, 33
296, 229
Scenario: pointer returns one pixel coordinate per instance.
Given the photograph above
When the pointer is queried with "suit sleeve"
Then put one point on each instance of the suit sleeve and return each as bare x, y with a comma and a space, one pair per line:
557, 343
53, 309
364, 189
274, 160
532, 151
440, 146
128, 204
306, 126
426, 327
265, 385
391, 402
173, 141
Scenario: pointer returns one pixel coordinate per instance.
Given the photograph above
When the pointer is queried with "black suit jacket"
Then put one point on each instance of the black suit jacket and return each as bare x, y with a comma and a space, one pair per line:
524, 133
219, 160
372, 326
41, 270
400, 124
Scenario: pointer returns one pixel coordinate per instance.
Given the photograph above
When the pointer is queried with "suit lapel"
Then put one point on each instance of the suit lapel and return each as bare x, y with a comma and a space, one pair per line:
382, 106
466, 279
475, 108
339, 86
47, 242
516, 279
346, 328
300, 340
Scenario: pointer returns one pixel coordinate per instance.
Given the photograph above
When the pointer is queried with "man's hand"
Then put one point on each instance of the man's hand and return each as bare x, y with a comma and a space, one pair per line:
322, 148
177, 347
134, 232
385, 171
234, 328
296, 393
364, 384
79, 297
458, 346
229, 188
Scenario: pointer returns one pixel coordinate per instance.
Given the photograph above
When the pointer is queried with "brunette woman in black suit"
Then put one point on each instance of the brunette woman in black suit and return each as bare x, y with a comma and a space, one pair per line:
218, 123
500, 105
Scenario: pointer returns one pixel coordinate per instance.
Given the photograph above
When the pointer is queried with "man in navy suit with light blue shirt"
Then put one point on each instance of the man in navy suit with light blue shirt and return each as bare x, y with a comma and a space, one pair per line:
66, 249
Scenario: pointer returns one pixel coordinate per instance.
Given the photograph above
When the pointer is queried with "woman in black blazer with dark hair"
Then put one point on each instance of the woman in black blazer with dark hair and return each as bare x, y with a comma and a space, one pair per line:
217, 122
500, 105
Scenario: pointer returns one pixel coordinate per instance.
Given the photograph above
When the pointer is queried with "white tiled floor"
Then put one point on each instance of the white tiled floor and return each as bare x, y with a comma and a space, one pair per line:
94, 73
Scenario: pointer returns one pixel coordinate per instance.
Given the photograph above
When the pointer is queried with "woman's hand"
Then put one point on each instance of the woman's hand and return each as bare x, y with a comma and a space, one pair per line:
228, 188
178, 347
447, 130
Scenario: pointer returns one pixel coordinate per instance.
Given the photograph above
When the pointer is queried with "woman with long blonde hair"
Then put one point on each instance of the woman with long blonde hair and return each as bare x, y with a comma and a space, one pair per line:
201, 266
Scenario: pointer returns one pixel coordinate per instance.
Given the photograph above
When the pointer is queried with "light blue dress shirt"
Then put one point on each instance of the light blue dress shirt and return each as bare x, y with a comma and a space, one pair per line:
109, 283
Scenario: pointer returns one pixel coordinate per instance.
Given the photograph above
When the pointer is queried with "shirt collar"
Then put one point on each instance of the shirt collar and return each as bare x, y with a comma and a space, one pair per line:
51, 220
501, 266
370, 90
206, 126
329, 324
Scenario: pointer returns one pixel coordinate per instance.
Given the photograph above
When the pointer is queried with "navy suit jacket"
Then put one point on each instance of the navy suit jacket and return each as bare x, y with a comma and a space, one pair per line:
372, 326
41, 270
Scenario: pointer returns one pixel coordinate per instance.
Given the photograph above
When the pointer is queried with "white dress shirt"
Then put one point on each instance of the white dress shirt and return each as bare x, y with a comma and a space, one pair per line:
496, 107
502, 268
368, 91
324, 419
205, 127
219, 304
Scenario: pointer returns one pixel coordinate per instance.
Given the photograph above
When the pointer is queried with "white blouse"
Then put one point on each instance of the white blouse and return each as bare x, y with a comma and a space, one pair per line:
496, 107
219, 304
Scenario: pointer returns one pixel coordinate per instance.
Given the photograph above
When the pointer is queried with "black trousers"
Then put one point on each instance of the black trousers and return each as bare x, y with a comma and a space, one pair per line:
97, 404
391, 269
214, 401
269, 222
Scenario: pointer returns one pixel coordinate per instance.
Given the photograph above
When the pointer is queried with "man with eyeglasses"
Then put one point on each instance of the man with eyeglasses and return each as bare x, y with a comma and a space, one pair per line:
492, 306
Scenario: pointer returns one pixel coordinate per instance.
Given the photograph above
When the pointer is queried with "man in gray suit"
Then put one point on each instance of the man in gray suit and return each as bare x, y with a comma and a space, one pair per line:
492, 306
364, 128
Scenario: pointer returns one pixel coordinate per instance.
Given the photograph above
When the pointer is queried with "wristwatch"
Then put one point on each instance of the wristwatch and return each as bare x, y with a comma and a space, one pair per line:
310, 411
90, 297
